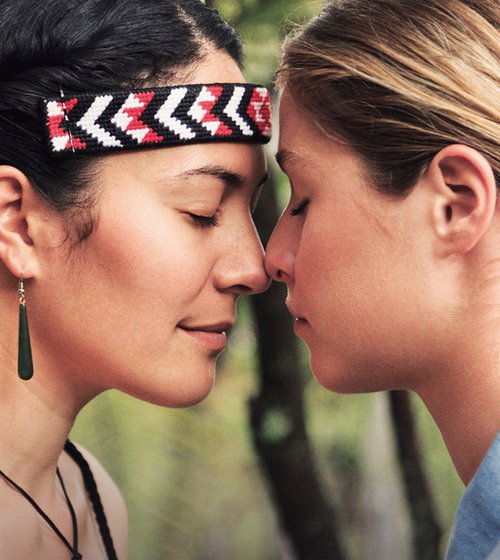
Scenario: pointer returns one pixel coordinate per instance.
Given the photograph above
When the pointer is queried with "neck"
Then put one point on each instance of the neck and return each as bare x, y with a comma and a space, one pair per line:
464, 398
463, 395
467, 416
36, 415
37, 430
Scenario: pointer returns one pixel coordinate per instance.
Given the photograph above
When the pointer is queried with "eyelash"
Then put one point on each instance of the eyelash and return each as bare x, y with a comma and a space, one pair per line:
299, 208
204, 222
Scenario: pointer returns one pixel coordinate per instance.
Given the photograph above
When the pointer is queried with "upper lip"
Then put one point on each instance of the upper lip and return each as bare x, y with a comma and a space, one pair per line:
293, 311
222, 326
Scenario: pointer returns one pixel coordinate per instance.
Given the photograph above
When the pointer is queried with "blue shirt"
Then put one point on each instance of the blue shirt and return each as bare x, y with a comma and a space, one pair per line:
476, 532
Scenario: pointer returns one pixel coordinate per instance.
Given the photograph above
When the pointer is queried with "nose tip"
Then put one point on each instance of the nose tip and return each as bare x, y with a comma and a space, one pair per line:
279, 264
261, 282
255, 278
242, 269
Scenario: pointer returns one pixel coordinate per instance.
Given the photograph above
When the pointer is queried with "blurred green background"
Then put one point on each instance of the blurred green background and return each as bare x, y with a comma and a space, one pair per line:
192, 481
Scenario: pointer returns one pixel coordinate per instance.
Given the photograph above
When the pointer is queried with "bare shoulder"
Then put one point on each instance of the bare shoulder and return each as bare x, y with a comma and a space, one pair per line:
112, 501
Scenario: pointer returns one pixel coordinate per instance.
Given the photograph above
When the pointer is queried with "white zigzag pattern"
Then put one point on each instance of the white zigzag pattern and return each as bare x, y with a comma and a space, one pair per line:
88, 122
258, 106
197, 112
122, 119
231, 110
54, 109
164, 114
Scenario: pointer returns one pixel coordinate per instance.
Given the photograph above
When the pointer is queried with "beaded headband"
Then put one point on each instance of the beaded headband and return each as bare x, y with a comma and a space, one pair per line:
155, 117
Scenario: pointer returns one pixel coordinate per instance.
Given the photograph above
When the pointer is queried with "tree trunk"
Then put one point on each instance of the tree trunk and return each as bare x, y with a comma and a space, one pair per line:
277, 420
427, 532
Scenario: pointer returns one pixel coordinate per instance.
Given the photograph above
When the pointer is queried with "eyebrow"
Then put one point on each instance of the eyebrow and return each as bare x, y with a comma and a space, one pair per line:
229, 177
286, 156
232, 179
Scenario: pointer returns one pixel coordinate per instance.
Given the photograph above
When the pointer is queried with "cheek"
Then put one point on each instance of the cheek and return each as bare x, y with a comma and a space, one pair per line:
328, 259
123, 294
162, 256
128, 285
368, 320
345, 276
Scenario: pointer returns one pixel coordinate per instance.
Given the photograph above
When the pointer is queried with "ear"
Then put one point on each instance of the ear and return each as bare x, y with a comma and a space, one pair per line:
16, 246
464, 198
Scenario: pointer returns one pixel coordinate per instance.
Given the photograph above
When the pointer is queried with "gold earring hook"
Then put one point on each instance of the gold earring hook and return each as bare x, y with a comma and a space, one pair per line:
22, 298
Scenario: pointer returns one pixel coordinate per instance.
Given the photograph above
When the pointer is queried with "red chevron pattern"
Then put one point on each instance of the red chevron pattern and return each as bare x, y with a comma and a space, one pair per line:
207, 99
57, 113
170, 116
259, 109
128, 118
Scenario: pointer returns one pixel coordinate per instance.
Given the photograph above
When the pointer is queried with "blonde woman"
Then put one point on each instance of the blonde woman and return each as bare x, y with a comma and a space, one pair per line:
390, 244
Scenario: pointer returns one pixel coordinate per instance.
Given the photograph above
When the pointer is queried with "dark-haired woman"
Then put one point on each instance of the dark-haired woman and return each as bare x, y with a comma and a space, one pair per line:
389, 133
130, 160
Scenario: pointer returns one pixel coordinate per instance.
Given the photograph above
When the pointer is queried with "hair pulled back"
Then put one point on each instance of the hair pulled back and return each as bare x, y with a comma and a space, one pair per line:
398, 80
83, 46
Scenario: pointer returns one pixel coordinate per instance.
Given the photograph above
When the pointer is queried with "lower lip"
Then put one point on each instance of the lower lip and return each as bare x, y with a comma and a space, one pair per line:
213, 341
299, 325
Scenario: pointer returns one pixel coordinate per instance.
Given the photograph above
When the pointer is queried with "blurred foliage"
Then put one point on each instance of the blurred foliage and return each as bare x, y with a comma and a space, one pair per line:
263, 24
191, 479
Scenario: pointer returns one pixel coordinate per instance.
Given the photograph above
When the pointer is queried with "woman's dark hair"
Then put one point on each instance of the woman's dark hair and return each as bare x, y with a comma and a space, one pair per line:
90, 46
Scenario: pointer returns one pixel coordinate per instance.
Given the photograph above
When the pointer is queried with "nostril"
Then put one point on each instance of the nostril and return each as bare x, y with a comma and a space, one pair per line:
254, 286
280, 266
242, 289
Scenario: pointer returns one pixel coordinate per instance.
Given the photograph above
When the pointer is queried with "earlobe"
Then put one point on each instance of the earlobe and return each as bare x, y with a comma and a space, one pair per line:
16, 246
464, 198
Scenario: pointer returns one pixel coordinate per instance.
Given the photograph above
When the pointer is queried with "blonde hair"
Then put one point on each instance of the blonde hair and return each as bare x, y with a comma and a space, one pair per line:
398, 80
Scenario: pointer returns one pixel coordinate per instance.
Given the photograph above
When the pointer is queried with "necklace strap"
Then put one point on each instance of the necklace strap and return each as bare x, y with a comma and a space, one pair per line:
93, 493
76, 554
52, 525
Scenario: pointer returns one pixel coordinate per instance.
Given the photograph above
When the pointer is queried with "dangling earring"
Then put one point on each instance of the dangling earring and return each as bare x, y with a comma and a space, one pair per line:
24, 358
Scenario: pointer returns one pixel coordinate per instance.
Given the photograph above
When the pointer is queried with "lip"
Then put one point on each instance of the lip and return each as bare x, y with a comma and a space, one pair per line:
300, 322
299, 325
294, 312
213, 337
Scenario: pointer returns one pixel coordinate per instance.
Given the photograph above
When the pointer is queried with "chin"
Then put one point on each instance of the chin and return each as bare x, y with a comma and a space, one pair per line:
339, 378
180, 389
176, 399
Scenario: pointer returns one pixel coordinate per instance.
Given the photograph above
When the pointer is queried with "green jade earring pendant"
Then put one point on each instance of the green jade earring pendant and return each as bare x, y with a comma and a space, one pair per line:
24, 357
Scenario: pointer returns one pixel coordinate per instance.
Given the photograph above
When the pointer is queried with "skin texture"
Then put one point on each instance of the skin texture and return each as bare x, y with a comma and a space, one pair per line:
394, 292
173, 247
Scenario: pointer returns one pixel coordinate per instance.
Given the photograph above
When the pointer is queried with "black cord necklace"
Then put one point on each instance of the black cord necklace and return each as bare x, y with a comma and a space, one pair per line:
73, 549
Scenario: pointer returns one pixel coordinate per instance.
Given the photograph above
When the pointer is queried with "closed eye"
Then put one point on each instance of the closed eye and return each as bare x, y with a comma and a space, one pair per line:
204, 222
299, 208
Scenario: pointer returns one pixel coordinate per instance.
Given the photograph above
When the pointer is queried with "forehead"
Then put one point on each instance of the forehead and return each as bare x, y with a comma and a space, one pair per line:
161, 164
304, 148
296, 131
310, 157
215, 66
288, 117
300, 143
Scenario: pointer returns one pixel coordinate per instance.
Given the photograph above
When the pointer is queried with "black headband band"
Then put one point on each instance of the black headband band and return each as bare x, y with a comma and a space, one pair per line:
170, 116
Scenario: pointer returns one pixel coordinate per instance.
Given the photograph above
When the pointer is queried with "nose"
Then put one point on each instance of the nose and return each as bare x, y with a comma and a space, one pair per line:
241, 269
280, 257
